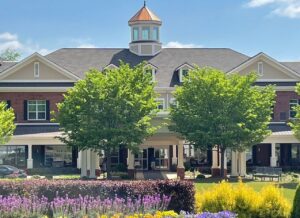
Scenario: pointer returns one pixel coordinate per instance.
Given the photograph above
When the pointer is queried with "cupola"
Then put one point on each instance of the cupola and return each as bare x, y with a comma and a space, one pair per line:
145, 33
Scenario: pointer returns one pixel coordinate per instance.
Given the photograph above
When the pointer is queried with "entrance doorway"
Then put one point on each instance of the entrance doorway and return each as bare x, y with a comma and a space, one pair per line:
161, 156
261, 154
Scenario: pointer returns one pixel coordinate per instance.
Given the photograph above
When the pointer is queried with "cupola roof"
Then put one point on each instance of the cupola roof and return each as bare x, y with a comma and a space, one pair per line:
144, 14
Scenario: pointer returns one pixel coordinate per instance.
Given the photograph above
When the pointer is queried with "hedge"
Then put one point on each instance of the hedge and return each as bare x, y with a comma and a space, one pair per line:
181, 192
296, 204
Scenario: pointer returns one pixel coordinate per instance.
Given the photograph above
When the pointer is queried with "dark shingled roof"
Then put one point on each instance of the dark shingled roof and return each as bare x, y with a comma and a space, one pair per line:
79, 60
292, 65
34, 129
279, 127
6, 64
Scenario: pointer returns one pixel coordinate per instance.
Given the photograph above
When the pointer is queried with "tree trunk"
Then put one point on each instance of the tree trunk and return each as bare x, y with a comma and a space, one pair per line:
222, 171
108, 164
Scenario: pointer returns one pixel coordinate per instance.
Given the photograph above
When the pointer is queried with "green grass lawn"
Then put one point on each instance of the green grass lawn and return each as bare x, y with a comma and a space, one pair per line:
288, 189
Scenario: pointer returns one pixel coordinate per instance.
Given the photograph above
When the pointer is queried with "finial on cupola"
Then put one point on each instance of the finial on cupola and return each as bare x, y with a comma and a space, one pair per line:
144, 3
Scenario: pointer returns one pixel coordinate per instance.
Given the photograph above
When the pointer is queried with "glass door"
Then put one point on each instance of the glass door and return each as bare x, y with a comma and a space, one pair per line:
141, 160
161, 156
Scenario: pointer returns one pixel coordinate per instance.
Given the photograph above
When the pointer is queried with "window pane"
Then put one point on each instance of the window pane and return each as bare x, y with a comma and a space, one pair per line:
32, 116
31, 102
41, 108
185, 73
41, 102
32, 108
145, 33
135, 33
41, 116
155, 33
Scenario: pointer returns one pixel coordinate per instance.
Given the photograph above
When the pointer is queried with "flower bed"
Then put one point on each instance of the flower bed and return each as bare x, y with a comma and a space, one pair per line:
181, 192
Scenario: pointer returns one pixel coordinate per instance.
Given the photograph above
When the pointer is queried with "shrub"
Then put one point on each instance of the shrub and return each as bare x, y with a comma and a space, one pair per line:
181, 192
296, 204
244, 201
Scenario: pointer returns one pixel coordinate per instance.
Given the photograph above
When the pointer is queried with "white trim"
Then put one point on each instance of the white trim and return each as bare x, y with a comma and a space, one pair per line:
184, 65
269, 60
181, 74
36, 81
37, 124
42, 59
110, 66
277, 80
34, 89
36, 69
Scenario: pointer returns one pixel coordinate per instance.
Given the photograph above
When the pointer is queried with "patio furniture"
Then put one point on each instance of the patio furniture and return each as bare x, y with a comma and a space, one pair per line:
267, 172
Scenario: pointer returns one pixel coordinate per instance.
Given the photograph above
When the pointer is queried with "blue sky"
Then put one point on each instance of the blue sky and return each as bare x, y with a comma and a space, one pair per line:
248, 26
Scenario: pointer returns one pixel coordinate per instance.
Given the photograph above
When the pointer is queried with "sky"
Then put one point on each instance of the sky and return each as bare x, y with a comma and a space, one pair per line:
247, 26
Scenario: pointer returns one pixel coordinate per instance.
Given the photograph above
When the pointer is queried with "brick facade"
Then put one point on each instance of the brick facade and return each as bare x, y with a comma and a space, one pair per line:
282, 106
17, 101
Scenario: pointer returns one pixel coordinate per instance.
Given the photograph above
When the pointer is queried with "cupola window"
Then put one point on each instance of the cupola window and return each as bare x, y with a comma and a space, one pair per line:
135, 33
155, 33
145, 33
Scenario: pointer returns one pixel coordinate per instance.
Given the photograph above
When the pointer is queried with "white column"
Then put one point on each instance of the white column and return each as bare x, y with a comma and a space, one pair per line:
242, 163
88, 156
192, 150
273, 158
174, 158
92, 162
79, 160
29, 159
215, 157
97, 161
234, 165
180, 155
130, 160
83, 163
225, 159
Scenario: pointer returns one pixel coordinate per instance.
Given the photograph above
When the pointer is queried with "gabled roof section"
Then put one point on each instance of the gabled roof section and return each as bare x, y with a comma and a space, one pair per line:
110, 66
144, 14
42, 59
262, 56
184, 65
151, 66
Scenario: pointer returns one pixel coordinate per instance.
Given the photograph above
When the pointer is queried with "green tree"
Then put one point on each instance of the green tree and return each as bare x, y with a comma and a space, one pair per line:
10, 55
295, 123
108, 109
7, 125
214, 108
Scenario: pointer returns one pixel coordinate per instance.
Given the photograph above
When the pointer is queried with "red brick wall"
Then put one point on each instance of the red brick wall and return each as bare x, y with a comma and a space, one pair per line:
17, 101
283, 103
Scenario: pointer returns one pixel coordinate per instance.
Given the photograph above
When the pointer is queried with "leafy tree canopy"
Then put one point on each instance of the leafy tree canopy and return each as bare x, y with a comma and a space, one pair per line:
295, 123
214, 108
10, 55
7, 125
109, 108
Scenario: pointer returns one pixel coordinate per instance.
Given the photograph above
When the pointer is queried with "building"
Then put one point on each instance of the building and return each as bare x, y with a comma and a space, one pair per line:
33, 87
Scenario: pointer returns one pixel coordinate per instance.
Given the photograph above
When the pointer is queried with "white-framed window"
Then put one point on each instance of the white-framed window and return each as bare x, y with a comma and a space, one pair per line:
155, 33
151, 71
36, 69
260, 68
161, 104
293, 104
135, 33
145, 33
36, 110
182, 74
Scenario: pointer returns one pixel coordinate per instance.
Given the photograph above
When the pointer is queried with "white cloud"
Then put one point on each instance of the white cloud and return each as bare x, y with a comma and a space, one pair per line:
285, 8
176, 44
86, 45
12, 41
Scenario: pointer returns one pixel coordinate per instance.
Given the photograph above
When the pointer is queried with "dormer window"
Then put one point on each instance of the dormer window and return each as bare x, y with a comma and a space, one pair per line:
36, 69
260, 68
145, 33
135, 33
183, 73
151, 70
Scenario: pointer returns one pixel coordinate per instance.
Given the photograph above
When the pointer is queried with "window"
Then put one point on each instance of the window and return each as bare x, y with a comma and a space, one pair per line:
145, 33
182, 74
36, 110
58, 155
155, 33
13, 155
260, 68
151, 71
36, 69
161, 103
135, 33
293, 104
